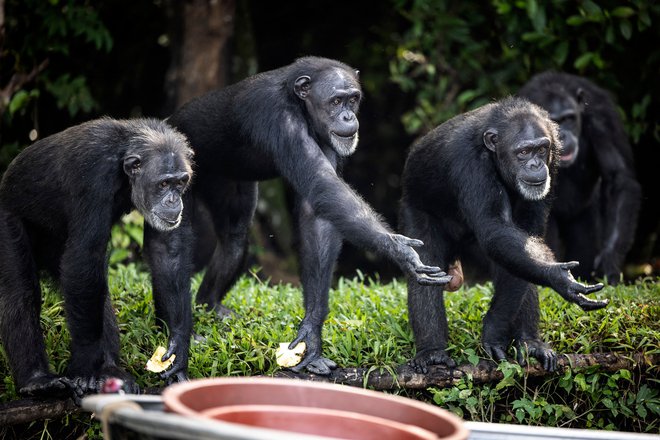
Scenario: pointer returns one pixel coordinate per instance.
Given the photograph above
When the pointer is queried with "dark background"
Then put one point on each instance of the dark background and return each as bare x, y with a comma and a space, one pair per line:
137, 77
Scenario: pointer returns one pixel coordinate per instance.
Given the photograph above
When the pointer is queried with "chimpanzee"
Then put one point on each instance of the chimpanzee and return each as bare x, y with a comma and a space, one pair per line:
58, 201
483, 178
297, 122
597, 201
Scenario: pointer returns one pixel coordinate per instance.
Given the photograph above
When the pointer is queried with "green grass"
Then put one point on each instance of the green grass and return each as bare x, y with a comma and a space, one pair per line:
367, 327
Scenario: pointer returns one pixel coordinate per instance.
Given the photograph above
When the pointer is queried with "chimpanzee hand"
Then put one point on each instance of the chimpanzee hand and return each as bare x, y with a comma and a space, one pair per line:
312, 359
178, 371
408, 259
563, 282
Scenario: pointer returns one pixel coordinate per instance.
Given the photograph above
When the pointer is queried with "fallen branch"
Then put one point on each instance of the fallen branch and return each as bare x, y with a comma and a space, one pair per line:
29, 410
484, 372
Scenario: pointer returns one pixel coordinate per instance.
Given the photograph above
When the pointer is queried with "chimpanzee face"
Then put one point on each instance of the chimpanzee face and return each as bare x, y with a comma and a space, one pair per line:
159, 176
332, 100
566, 111
524, 149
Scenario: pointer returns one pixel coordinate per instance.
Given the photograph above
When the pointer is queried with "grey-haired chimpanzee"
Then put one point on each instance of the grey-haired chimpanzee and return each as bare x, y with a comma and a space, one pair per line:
594, 216
483, 177
298, 122
58, 201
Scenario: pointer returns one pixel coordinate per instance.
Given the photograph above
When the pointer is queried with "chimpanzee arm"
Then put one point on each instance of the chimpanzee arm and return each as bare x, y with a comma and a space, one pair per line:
621, 195
170, 260
487, 210
314, 178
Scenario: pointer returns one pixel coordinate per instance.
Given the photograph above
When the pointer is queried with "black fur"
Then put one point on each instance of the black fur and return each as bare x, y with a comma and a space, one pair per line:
594, 216
280, 123
461, 186
58, 201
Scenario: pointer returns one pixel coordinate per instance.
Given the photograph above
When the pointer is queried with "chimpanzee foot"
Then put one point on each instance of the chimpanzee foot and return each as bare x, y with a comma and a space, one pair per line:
45, 384
83, 385
495, 350
539, 350
425, 358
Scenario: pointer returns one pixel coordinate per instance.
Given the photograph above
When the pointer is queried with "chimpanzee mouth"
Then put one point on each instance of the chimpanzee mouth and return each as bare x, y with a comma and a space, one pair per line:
344, 145
568, 157
533, 190
164, 224
534, 182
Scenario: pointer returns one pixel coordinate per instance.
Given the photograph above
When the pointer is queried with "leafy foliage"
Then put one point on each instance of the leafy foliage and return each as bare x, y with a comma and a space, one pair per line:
456, 56
367, 327
38, 30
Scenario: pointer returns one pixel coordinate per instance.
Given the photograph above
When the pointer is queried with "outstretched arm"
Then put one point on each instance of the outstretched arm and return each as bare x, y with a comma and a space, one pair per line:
315, 179
170, 260
489, 216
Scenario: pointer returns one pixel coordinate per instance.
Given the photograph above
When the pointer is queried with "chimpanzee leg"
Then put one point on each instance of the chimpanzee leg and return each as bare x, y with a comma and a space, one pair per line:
169, 255
319, 246
581, 238
526, 332
232, 206
20, 306
498, 328
513, 313
426, 306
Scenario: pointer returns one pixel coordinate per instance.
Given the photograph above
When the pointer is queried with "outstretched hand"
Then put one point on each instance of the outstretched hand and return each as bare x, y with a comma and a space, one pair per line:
178, 372
572, 291
410, 262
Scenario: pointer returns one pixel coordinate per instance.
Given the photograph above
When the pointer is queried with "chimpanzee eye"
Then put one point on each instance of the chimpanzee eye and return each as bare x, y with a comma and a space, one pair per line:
336, 101
353, 100
543, 150
164, 184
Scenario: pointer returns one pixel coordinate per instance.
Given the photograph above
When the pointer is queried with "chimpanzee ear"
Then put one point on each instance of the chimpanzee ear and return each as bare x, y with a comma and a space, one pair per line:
357, 73
132, 164
302, 85
490, 138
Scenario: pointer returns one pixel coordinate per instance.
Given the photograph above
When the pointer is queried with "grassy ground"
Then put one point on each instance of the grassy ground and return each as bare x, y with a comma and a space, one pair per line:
367, 326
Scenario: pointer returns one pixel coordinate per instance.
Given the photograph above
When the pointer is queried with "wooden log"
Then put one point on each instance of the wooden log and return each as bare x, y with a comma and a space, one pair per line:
485, 371
29, 410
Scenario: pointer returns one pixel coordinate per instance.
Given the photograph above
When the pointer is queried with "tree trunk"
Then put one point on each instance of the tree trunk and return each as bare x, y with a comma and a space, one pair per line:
200, 32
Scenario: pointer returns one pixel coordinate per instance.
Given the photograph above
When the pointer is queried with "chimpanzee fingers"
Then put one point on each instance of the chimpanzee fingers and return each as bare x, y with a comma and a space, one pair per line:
407, 241
431, 270
300, 338
590, 304
174, 376
569, 265
592, 288
177, 373
321, 366
496, 352
440, 279
171, 349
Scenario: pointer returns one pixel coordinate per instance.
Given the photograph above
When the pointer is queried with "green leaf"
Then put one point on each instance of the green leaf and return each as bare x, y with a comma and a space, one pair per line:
592, 10
575, 20
18, 101
583, 60
626, 29
622, 12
